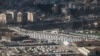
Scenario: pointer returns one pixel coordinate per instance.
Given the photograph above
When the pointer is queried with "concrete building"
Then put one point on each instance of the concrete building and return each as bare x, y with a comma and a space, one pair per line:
19, 17
9, 18
15, 16
31, 16
3, 18
24, 16
10, 12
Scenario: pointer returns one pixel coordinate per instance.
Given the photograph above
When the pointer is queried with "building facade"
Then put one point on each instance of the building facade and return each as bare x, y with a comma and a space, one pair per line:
30, 16
19, 17
3, 18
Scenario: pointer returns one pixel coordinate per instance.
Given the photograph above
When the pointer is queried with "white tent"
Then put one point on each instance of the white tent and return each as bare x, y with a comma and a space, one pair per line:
66, 43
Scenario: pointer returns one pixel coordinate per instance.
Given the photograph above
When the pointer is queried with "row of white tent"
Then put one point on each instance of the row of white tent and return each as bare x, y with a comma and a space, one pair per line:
55, 37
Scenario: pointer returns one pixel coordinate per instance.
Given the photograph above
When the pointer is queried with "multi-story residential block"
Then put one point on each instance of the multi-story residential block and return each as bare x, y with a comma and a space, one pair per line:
3, 18
31, 16
9, 18
19, 17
